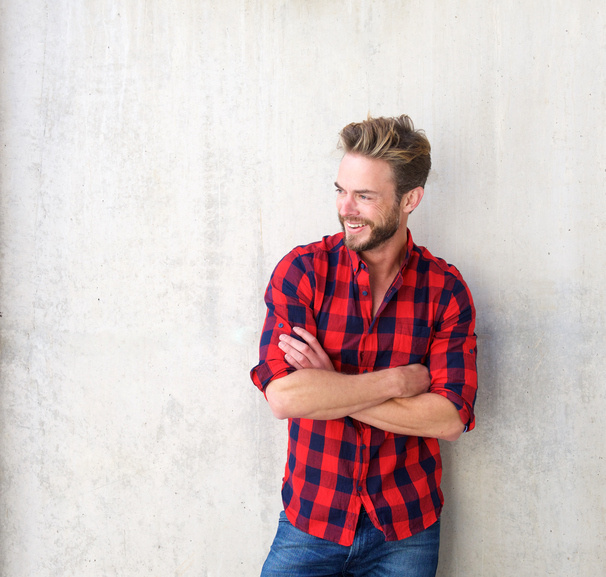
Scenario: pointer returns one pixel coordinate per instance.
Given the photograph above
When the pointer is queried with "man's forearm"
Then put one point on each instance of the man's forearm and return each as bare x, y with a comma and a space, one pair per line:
394, 400
425, 415
322, 394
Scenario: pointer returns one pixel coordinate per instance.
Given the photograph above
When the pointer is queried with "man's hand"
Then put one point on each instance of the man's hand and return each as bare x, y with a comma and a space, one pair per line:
414, 380
304, 356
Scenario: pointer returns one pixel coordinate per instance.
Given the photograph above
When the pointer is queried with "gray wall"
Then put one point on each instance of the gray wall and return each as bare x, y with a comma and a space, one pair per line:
158, 158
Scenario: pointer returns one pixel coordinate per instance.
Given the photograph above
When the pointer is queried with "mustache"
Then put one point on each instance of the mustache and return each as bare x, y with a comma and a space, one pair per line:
354, 220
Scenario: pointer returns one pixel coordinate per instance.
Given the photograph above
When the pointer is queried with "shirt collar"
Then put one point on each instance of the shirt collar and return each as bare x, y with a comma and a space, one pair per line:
358, 264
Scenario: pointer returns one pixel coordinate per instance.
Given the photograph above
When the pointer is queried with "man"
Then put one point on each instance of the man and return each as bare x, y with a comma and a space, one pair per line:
369, 350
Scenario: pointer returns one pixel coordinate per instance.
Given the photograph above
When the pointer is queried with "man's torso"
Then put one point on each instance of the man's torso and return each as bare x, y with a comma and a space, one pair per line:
334, 467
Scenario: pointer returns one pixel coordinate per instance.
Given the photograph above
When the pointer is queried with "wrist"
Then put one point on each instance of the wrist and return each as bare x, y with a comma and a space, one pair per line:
399, 382
412, 380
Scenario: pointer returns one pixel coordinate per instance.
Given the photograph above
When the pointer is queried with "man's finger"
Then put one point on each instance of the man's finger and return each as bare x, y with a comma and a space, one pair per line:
314, 345
306, 335
312, 341
302, 360
292, 362
295, 344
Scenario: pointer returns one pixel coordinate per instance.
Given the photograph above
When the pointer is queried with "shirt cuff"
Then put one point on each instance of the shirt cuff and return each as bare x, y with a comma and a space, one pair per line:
267, 371
465, 411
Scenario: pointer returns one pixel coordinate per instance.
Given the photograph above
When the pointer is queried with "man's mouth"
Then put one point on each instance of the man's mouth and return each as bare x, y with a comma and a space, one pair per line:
355, 225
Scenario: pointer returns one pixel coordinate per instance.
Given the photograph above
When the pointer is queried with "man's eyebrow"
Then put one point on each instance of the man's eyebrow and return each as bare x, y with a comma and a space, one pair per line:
361, 191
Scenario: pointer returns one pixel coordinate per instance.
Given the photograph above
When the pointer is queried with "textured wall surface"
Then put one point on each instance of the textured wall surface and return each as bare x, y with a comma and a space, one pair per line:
158, 158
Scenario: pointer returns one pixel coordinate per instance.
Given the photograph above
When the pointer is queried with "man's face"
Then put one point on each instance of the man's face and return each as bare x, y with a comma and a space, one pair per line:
366, 201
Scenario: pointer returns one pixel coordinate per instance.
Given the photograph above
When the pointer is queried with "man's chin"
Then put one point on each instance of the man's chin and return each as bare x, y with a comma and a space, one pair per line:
357, 245
351, 242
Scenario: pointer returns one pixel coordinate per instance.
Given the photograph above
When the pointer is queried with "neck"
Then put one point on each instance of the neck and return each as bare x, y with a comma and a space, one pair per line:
386, 260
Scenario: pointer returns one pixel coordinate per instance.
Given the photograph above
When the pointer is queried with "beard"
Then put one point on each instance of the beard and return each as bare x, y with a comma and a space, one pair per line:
379, 233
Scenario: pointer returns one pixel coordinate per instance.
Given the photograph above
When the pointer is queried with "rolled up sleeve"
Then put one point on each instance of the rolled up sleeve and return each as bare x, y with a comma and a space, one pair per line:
289, 298
453, 352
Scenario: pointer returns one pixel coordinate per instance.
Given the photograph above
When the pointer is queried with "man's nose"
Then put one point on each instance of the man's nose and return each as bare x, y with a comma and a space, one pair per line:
347, 205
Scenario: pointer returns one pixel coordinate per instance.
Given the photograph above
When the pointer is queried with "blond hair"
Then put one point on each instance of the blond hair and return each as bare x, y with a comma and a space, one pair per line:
396, 141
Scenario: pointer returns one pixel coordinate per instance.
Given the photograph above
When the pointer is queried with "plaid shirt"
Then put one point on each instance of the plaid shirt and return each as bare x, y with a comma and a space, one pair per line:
335, 466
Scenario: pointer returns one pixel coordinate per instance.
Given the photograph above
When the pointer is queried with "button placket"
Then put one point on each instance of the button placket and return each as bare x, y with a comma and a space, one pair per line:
364, 439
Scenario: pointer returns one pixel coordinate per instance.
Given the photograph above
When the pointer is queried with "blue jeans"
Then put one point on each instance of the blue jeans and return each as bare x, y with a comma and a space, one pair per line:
297, 554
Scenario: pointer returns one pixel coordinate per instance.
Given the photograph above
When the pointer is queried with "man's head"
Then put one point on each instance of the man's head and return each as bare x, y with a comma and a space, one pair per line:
396, 141
380, 180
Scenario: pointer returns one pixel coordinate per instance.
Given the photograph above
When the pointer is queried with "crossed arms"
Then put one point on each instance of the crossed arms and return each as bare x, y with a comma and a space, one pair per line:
394, 400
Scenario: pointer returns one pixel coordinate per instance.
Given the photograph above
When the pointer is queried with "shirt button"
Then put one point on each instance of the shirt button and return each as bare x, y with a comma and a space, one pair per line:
359, 488
363, 447
365, 293
281, 325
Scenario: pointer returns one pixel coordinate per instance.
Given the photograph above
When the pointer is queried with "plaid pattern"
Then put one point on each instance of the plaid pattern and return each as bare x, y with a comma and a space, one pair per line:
336, 466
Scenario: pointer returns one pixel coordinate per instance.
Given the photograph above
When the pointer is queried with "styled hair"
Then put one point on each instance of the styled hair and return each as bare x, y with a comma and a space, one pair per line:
396, 141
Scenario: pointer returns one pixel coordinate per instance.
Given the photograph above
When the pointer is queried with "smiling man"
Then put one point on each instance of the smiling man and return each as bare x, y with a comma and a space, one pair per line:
369, 351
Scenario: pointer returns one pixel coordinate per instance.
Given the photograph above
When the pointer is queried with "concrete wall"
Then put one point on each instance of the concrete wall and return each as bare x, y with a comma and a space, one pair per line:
158, 158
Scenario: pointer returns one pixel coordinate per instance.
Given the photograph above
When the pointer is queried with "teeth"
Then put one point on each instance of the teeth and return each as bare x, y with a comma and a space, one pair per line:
354, 225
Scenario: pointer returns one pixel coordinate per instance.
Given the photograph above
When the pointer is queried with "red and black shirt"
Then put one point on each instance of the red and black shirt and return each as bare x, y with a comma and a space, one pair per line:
335, 466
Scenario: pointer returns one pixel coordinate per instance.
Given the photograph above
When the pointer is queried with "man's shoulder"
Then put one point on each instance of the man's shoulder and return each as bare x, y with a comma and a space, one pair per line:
426, 263
319, 250
315, 257
313, 260
443, 280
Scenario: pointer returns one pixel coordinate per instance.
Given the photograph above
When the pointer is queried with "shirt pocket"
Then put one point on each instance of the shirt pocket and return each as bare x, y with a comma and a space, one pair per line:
411, 342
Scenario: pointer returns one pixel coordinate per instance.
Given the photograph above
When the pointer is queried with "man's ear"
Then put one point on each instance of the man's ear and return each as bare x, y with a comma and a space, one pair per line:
411, 199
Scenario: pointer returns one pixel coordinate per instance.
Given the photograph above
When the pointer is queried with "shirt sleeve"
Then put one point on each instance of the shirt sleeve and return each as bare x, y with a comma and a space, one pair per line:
452, 355
289, 300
